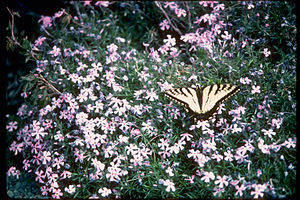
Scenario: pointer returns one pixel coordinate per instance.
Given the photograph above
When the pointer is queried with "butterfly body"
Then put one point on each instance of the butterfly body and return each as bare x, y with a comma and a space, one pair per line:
202, 103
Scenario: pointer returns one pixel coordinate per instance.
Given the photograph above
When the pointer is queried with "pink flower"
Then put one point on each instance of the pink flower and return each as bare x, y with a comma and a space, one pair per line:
46, 157
180, 12
104, 192
58, 162
16, 147
198, 20
217, 157
177, 147
36, 158
38, 133
40, 176
203, 3
263, 147
258, 190
26, 164
154, 54
59, 13
250, 6
191, 179
55, 51
241, 155
228, 156
102, 3
258, 172
163, 49
11, 126
114, 173
170, 171
47, 21
87, 2
266, 52
164, 25
112, 47
240, 190
221, 181
39, 41
186, 136
71, 189
276, 123
290, 143
226, 35
11, 171
270, 133
236, 129
86, 53
36, 147
170, 185
245, 80
44, 190
219, 7
174, 52
164, 154
79, 156
65, 174
255, 89
170, 41
209, 145
131, 149
216, 29
244, 42
210, 18
207, 176
151, 95
57, 193
163, 144
172, 5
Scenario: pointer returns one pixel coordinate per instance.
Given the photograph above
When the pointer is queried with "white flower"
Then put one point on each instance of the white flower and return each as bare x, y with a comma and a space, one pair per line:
269, 132
170, 41
104, 192
221, 181
119, 39
151, 95
207, 176
170, 171
170, 185
266, 52
71, 189
255, 89
258, 190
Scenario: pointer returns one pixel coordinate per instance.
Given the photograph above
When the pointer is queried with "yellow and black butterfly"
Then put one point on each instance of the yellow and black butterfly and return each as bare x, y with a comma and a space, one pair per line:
202, 103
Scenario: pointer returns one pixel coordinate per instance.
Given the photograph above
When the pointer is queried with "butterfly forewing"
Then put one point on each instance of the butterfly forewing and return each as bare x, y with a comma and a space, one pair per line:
185, 96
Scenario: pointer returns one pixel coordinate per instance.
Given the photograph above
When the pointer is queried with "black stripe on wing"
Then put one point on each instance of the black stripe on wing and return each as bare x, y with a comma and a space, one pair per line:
179, 91
211, 112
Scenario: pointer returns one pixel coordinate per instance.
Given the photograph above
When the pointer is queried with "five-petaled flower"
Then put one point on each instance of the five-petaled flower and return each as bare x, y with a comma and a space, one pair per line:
170, 185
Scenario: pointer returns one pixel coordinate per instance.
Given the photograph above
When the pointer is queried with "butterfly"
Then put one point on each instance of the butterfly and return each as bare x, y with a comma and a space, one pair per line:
202, 103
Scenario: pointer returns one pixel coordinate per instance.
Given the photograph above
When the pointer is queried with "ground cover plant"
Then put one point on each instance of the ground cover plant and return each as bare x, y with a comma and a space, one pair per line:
95, 123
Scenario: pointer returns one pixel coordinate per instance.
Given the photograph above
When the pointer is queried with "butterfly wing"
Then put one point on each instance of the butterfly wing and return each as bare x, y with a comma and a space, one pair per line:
186, 97
214, 95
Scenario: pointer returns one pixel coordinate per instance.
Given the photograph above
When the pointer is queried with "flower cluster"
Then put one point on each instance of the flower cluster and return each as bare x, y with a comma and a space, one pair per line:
103, 129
